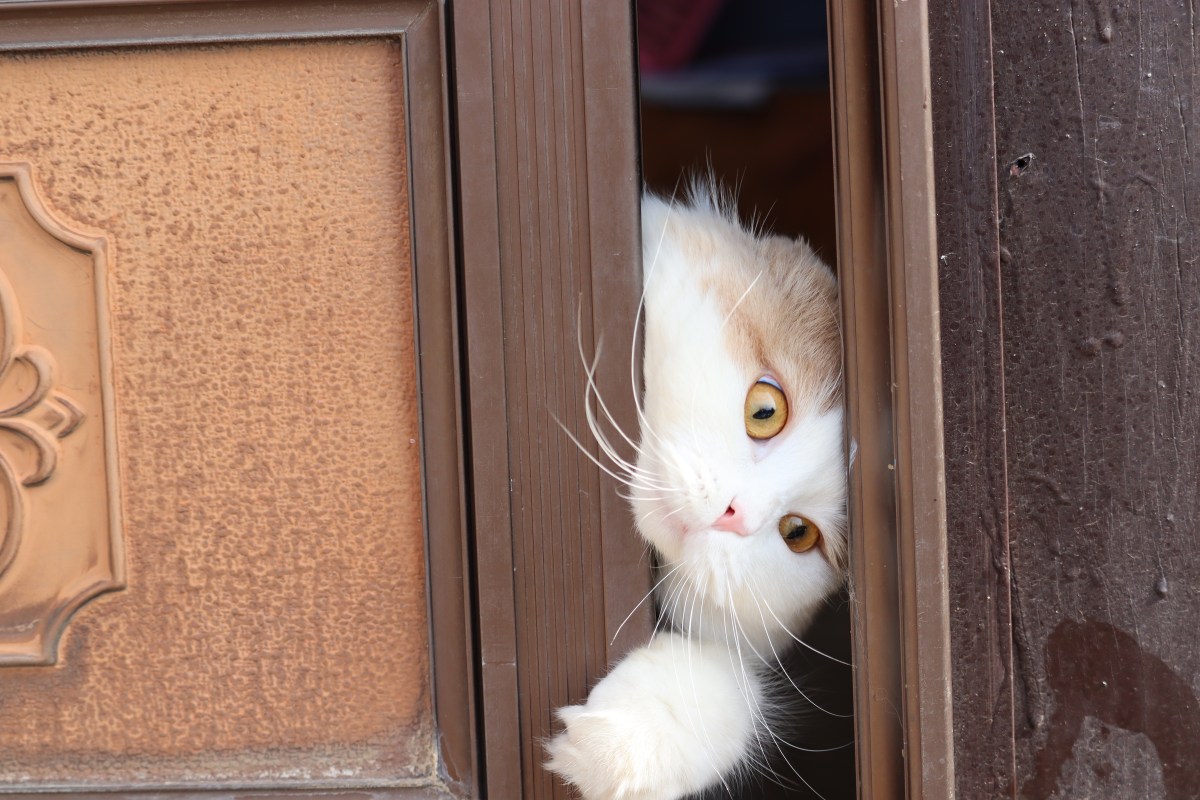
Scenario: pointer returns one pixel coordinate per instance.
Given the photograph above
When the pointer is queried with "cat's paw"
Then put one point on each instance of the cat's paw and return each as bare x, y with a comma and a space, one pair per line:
671, 719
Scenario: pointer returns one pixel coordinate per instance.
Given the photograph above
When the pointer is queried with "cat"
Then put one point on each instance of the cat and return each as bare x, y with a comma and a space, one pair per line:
740, 486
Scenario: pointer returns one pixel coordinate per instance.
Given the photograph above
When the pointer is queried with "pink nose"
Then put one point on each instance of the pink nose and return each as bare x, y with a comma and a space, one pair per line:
733, 520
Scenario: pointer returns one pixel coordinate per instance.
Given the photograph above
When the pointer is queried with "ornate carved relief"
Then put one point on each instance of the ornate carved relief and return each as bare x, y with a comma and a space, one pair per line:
60, 539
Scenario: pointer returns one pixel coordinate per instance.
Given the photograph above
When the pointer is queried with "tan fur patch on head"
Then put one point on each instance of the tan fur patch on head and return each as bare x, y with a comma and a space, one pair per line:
779, 299
783, 316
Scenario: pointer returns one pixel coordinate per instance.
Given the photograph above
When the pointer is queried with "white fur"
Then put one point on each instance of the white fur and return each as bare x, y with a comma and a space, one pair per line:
685, 711
669, 720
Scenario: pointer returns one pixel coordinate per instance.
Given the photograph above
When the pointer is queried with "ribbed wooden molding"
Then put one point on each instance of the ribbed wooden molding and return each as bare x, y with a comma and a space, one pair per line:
60, 533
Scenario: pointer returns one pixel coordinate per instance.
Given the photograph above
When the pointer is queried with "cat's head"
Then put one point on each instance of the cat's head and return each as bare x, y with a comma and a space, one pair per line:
741, 480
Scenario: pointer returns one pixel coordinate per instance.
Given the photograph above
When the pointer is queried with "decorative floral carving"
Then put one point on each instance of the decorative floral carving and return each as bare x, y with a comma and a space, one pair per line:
33, 414
60, 524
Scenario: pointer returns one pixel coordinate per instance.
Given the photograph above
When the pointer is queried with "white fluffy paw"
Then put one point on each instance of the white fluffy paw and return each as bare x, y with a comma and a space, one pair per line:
671, 719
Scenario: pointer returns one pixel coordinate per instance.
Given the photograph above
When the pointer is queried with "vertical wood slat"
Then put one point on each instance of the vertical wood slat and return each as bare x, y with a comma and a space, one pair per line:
615, 239
548, 181
487, 401
973, 396
917, 390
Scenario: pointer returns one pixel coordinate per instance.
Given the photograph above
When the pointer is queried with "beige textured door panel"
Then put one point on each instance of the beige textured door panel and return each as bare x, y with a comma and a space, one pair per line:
254, 334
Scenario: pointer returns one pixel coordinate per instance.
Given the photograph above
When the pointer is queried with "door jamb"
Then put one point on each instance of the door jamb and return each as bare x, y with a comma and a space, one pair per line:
883, 134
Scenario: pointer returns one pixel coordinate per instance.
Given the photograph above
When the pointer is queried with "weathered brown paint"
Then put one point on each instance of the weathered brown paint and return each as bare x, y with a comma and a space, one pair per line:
1067, 283
1096, 670
973, 396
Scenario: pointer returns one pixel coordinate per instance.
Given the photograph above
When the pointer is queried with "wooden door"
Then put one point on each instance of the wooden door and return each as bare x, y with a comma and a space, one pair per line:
230, 441
286, 507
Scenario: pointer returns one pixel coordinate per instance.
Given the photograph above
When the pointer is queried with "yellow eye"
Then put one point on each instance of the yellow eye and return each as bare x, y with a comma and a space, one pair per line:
766, 410
799, 533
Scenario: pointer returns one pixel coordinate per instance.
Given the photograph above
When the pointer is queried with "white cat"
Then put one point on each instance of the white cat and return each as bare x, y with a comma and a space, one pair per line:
740, 486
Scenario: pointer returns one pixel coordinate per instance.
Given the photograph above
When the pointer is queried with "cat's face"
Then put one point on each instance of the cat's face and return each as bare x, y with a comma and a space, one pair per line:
742, 424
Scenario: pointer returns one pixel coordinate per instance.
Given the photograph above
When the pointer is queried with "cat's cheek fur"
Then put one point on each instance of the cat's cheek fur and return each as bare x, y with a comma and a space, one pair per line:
668, 721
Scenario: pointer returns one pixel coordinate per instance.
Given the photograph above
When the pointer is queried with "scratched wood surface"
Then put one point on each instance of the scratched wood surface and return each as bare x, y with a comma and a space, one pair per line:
972, 369
1070, 298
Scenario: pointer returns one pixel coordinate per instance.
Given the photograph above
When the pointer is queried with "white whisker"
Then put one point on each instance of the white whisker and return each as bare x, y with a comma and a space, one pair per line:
655, 510
695, 694
593, 388
797, 638
644, 599
624, 479
667, 612
740, 299
637, 326
725, 617
779, 661
775, 739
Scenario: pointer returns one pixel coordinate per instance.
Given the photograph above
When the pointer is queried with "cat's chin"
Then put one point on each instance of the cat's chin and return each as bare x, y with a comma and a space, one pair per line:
721, 586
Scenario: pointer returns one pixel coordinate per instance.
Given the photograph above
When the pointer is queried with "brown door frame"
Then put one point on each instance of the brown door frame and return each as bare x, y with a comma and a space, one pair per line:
880, 80
887, 244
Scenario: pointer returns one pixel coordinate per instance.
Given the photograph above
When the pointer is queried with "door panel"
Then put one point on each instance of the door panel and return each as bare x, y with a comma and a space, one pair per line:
60, 537
253, 205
